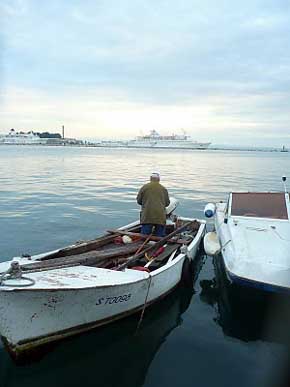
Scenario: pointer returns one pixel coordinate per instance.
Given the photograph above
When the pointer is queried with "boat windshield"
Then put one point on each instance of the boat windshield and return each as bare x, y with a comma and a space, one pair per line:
259, 205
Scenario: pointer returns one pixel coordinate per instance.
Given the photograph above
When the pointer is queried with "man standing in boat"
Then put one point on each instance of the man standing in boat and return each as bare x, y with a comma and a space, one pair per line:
154, 199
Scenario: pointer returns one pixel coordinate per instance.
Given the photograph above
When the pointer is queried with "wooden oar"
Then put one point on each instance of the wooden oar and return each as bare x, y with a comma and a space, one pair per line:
155, 246
141, 247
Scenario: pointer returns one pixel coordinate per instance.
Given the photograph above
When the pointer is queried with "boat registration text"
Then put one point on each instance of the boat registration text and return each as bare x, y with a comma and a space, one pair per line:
113, 300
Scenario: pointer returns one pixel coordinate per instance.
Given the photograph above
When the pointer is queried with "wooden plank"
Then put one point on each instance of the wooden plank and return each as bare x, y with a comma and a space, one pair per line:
135, 257
81, 248
163, 256
144, 237
166, 253
88, 253
84, 246
89, 258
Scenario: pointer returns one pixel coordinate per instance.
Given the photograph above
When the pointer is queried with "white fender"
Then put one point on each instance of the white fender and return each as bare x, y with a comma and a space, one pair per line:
211, 244
209, 210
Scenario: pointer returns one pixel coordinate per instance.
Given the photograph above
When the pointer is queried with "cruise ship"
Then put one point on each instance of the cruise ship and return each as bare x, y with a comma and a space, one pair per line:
174, 141
20, 138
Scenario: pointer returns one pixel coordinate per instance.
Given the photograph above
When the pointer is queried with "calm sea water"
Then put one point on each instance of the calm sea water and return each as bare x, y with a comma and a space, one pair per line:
208, 335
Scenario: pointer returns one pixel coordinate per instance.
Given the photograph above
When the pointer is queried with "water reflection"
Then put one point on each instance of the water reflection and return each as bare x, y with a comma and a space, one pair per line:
51, 197
245, 313
45, 188
111, 356
250, 315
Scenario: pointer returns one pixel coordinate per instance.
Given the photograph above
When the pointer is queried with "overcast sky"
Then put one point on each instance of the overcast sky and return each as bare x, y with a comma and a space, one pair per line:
110, 68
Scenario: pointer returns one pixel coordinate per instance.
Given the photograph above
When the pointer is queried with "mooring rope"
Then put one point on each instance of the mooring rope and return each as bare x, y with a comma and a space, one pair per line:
145, 304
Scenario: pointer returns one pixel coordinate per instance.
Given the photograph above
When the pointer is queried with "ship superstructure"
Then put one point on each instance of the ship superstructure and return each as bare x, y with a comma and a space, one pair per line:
21, 138
174, 141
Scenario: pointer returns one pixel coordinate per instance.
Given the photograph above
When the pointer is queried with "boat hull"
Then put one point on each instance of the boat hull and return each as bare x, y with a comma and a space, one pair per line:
254, 251
258, 285
30, 317
164, 145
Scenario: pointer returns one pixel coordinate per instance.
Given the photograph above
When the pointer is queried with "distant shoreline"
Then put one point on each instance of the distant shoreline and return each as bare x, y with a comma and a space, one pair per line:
216, 148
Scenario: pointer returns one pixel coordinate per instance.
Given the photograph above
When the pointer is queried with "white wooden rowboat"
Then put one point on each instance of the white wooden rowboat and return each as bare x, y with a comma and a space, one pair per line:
68, 291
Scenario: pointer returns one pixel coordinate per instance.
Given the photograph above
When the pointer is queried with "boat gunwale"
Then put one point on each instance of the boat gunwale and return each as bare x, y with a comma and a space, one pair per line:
166, 266
160, 270
126, 227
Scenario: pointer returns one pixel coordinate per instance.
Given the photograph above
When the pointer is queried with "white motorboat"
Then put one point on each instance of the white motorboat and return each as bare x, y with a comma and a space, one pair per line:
253, 235
50, 296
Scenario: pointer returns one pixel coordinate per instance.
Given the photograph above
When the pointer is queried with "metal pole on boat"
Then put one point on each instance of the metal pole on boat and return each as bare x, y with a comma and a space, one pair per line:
284, 178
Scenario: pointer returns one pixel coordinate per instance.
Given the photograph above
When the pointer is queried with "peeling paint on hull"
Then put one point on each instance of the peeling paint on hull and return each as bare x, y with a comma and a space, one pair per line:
25, 346
45, 315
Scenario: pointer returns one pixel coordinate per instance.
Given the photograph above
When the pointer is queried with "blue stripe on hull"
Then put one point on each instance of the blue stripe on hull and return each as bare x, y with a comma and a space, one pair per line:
256, 284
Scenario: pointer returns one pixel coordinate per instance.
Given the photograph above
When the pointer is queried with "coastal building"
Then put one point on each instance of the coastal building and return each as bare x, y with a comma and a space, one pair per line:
36, 138
21, 138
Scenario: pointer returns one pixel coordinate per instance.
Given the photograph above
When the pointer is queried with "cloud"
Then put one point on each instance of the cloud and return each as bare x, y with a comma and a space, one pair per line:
231, 61
104, 113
